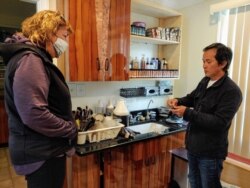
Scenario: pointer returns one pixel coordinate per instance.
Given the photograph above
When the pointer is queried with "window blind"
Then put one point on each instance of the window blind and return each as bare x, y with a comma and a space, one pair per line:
233, 30
229, 4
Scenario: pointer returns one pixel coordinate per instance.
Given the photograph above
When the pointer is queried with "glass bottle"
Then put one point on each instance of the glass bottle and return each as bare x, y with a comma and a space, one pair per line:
147, 64
143, 63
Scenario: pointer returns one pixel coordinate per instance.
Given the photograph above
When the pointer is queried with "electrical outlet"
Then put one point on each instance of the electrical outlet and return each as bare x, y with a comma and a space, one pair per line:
72, 89
80, 90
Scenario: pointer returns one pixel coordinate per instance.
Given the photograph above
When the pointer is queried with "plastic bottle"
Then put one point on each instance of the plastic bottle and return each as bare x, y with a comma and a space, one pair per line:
147, 64
152, 63
164, 64
159, 64
110, 108
131, 63
99, 108
136, 63
156, 64
143, 63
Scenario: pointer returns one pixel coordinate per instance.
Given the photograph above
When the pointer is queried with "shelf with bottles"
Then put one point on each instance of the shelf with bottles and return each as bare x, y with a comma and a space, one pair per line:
162, 39
152, 73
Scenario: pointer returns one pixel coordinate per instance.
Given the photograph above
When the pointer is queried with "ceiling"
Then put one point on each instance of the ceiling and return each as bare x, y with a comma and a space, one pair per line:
17, 8
177, 4
22, 9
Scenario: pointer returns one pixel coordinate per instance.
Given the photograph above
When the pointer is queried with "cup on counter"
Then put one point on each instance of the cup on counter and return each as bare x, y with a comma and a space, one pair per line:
81, 137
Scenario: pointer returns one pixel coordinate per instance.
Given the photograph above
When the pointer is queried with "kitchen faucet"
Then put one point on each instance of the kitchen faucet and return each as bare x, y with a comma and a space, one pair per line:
147, 116
136, 118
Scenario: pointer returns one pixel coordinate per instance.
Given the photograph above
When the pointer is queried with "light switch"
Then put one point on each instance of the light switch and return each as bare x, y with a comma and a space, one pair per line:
72, 89
80, 90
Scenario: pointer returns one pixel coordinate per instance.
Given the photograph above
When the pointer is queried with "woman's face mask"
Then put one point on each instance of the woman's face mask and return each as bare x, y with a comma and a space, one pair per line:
60, 46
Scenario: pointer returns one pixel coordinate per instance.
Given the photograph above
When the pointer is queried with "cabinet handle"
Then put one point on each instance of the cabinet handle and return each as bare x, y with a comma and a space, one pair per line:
98, 65
147, 161
150, 161
106, 64
153, 160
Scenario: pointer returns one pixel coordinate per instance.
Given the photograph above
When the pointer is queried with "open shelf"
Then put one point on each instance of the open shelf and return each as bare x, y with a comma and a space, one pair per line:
149, 40
138, 73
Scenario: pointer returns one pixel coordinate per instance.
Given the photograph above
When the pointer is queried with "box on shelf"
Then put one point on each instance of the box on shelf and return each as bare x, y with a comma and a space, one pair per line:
170, 34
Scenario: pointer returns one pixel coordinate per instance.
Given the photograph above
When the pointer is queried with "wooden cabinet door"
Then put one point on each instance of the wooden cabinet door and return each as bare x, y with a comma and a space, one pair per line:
99, 46
117, 168
86, 171
83, 42
149, 170
4, 133
144, 164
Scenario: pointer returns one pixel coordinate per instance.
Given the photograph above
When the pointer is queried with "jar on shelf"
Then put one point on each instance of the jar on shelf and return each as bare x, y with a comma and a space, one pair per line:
164, 64
136, 64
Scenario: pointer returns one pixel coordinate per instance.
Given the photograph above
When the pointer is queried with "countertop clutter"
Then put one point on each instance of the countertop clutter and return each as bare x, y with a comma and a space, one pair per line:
115, 135
88, 148
141, 159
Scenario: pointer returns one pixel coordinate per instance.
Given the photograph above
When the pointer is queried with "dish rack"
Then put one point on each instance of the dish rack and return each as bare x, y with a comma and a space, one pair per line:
99, 134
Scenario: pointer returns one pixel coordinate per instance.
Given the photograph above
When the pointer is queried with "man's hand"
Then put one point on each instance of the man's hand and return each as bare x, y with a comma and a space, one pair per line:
172, 103
178, 110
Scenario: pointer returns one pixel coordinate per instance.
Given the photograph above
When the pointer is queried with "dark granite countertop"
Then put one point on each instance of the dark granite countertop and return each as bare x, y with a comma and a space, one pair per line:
89, 148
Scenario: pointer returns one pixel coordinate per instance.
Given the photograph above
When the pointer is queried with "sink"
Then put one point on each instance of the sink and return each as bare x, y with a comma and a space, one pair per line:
148, 128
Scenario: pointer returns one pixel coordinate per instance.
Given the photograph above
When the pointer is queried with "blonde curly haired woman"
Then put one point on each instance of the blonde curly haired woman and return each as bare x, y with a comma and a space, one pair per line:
41, 127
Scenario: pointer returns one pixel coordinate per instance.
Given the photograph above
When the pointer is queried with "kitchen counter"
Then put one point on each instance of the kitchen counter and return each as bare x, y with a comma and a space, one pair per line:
89, 148
142, 161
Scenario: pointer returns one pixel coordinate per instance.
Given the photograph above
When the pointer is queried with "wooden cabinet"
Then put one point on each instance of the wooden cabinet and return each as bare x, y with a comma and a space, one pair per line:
99, 46
143, 164
86, 171
155, 15
4, 133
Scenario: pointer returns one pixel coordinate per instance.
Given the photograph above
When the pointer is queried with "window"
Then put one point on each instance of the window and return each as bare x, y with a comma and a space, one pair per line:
234, 31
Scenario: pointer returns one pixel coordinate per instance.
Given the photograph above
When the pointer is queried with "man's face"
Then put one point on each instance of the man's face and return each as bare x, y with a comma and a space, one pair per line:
212, 68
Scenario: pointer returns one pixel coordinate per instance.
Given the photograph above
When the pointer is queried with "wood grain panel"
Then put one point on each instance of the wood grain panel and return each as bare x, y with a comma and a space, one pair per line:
146, 162
4, 133
86, 171
235, 175
83, 42
120, 38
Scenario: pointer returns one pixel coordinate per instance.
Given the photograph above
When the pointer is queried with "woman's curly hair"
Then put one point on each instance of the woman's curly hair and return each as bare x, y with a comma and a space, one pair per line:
38, 27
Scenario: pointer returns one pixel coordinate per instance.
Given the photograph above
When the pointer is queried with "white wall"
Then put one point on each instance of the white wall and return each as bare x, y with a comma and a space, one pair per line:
93, 92
198, 31
105, 91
